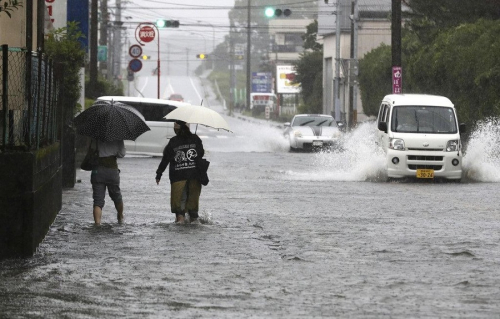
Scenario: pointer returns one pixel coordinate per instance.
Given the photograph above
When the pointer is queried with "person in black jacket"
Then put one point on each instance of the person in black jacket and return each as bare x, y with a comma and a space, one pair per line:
182, 153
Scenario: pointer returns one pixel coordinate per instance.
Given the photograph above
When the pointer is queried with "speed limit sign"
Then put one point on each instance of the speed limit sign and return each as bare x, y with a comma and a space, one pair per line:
135, 51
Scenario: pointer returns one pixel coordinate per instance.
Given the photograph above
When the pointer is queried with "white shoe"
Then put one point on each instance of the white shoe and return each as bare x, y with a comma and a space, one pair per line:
196, 222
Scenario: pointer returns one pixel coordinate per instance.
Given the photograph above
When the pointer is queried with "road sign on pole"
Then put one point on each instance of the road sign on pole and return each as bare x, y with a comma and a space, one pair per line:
147, 33
135, 65
135, 51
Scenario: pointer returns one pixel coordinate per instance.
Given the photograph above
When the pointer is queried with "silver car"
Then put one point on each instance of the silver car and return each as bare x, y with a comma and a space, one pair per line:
312, 132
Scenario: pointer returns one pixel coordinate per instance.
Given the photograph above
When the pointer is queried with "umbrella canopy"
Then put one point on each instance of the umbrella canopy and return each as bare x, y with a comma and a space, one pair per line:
111, 121
199, 115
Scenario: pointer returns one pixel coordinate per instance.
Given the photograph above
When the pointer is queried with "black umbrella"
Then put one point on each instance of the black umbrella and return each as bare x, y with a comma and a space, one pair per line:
111, 121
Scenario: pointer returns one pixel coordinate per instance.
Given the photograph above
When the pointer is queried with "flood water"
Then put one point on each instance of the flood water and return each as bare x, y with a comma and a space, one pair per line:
283, 235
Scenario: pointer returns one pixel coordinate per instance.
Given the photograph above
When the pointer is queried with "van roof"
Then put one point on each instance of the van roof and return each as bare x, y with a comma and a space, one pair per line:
126, 99
417, 99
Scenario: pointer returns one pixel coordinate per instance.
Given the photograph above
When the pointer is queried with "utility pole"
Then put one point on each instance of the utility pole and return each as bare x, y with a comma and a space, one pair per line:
249, 48
93, 45
353, 66
232, 86
396, 37
336, 90
103, 36
117, 52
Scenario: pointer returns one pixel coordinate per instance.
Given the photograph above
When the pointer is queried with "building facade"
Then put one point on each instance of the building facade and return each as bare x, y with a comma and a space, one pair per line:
373, 29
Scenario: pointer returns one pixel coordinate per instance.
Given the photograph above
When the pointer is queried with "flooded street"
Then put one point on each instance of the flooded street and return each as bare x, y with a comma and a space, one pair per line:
283, 235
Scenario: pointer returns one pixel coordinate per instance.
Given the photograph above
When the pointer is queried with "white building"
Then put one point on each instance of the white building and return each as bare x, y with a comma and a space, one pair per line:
374, 28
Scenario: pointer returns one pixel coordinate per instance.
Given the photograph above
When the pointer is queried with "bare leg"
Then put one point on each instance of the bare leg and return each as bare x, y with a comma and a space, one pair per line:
119, 211
97, 215
179, 219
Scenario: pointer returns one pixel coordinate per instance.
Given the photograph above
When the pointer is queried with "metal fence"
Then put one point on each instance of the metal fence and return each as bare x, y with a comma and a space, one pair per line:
29, 116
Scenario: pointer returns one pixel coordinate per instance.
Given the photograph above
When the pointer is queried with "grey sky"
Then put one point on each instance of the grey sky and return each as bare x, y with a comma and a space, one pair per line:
202, 23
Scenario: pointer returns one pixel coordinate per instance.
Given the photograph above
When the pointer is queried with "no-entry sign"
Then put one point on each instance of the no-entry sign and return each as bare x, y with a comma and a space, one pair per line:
146, 34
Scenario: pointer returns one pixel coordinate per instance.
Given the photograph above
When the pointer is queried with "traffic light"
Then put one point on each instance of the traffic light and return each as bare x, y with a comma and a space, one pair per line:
271, 12
146, 57
163, 23
202, 56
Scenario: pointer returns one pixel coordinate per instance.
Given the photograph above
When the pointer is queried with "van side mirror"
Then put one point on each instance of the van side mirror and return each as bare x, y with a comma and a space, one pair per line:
461, 128
382, 126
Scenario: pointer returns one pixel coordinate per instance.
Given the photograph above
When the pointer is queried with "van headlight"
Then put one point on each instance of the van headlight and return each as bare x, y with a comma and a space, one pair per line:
397, 144
297, 133
453, 146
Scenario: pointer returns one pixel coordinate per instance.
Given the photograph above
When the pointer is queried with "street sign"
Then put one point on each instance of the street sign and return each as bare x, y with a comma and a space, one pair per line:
102, 53
262, 82
397, 80
146, 33
135, 51
135, 65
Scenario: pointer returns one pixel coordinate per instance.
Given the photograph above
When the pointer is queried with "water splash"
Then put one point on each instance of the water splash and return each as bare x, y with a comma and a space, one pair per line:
362, 160
359, 160
482, 157
251, 137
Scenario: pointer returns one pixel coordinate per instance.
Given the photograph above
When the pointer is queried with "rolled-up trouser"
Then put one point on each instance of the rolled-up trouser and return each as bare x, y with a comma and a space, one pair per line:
185, 196
102, 178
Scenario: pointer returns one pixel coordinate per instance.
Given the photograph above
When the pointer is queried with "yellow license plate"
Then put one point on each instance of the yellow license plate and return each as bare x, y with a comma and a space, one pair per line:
425, 173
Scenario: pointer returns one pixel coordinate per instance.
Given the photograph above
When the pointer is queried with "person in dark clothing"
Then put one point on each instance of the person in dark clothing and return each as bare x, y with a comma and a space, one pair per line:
182, 153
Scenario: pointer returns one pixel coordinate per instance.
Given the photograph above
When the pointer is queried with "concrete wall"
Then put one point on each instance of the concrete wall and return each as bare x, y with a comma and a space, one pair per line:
30, 198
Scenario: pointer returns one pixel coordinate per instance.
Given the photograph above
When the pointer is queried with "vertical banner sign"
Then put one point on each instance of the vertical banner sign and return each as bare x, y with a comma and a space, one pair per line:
397, 80
78, 11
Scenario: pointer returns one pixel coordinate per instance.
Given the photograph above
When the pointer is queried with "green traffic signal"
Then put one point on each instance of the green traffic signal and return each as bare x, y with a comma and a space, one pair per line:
269, 12
163, 23
160, 23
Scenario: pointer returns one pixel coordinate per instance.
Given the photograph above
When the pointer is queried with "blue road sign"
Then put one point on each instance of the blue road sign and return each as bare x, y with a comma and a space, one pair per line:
135, 65
262, 82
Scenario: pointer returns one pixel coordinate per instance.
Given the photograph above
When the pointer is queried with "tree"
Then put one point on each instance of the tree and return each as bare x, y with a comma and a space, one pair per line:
309, 71
462, 64
311, 36
9, 5
375, 78
428, 18
62, 46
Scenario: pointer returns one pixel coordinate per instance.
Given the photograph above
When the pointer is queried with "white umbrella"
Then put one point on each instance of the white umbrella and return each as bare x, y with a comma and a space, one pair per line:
202, 115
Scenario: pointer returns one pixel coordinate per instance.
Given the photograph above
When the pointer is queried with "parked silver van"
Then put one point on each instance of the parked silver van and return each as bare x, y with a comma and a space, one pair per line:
154, 110
420, 136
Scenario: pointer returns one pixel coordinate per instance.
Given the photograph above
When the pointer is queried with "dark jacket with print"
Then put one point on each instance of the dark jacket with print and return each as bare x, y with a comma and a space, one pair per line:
182, 153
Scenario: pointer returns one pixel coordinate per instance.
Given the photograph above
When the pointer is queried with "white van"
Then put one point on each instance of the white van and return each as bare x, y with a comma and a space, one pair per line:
420, 135
154, 110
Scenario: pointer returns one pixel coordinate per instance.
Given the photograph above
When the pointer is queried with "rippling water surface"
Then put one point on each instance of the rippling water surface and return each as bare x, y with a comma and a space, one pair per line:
283, 235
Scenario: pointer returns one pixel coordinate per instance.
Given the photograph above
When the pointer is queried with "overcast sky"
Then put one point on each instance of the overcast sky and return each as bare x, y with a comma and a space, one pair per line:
202, 23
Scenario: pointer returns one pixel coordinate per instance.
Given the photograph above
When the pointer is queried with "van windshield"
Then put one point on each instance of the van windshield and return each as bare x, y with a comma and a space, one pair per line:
423, 119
